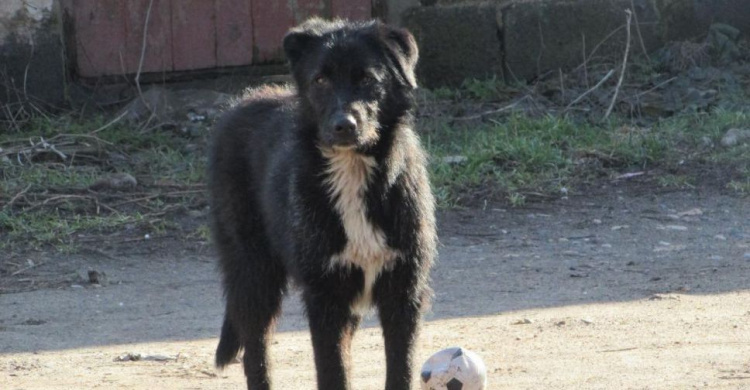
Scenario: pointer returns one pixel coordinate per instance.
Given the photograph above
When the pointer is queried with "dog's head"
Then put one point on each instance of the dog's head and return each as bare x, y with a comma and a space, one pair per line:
353, 78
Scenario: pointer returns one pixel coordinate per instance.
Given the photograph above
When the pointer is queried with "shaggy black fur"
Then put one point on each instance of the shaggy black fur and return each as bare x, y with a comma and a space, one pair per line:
325, 184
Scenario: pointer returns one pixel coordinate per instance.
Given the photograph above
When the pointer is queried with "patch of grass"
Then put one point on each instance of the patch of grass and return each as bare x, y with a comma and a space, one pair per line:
741, 187
675, 181
40, 229
52, 197
520, 154
485, 90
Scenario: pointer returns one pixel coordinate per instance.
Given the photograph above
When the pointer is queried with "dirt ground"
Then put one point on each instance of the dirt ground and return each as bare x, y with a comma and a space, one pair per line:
625, 287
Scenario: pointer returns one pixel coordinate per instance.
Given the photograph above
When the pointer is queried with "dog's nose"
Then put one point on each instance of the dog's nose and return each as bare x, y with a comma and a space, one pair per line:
344, 129
344, 124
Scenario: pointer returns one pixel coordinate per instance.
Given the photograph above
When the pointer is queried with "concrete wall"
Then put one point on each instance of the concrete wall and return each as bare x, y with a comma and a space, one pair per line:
31, 52
520, 39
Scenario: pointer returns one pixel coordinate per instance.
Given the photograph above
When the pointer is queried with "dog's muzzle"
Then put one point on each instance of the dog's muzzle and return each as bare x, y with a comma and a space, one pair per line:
343, 130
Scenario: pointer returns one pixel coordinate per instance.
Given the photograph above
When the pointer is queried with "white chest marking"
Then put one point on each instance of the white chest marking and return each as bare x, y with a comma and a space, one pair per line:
348, 175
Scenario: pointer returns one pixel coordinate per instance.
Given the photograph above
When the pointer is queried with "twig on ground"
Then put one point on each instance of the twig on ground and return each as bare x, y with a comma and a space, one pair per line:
18, 195
57, 198
624, 65
143, 55
655, 87
110, 123
585, 67
48, 146
26, 70
152, 196
588, 58
541, 48
618, 350
638, 31
491, 112
24, 269
583, 95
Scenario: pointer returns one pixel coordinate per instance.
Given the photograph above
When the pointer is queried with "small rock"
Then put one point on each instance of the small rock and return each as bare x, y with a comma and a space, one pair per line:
690, 213
670, 248
733, 137
193, 117
455, 159
196, 213
100, 278
660, 297
129, 357
587, 321
524, 321
630, 175
158, 358
559, 323
117, 181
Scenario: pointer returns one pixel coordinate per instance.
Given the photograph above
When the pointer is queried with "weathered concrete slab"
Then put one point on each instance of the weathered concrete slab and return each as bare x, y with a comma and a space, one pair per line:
539, 36
456, 42
732, 12
690, 19
31, 54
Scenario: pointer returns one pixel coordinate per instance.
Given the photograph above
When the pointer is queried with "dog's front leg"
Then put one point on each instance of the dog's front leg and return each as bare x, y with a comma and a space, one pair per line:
399, 300
332, 326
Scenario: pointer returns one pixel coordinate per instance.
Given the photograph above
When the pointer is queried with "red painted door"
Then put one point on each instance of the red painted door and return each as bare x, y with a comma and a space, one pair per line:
108, 35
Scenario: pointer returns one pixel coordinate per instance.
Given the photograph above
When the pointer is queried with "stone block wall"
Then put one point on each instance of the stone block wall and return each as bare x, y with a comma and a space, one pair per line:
521, 39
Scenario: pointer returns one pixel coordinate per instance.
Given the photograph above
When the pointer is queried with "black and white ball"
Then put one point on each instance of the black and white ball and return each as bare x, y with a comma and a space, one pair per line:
454, 368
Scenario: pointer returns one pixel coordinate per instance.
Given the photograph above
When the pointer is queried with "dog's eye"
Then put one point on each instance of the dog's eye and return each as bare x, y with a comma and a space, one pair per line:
320, 80
368, 78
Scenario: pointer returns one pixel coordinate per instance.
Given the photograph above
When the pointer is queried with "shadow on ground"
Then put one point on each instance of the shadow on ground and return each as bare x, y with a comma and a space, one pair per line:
619, 246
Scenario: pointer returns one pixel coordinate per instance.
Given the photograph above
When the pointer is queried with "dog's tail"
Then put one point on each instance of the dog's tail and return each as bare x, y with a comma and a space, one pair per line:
229, 345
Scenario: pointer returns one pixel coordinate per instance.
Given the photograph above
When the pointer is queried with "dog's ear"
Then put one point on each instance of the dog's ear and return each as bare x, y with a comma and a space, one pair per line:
296, 42
404, 46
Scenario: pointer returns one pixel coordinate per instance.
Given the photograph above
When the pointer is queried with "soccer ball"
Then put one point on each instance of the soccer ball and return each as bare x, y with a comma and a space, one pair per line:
454, 369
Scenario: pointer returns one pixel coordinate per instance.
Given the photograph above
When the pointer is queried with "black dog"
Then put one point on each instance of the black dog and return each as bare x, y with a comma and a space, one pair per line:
326, 184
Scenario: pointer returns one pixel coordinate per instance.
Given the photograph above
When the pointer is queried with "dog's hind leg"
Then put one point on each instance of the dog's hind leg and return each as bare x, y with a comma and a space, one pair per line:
229, 344
398, 297
254, 293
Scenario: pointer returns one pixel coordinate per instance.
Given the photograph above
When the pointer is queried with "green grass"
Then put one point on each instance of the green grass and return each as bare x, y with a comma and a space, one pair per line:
515, 158
521, 154
52, 202
41, 229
